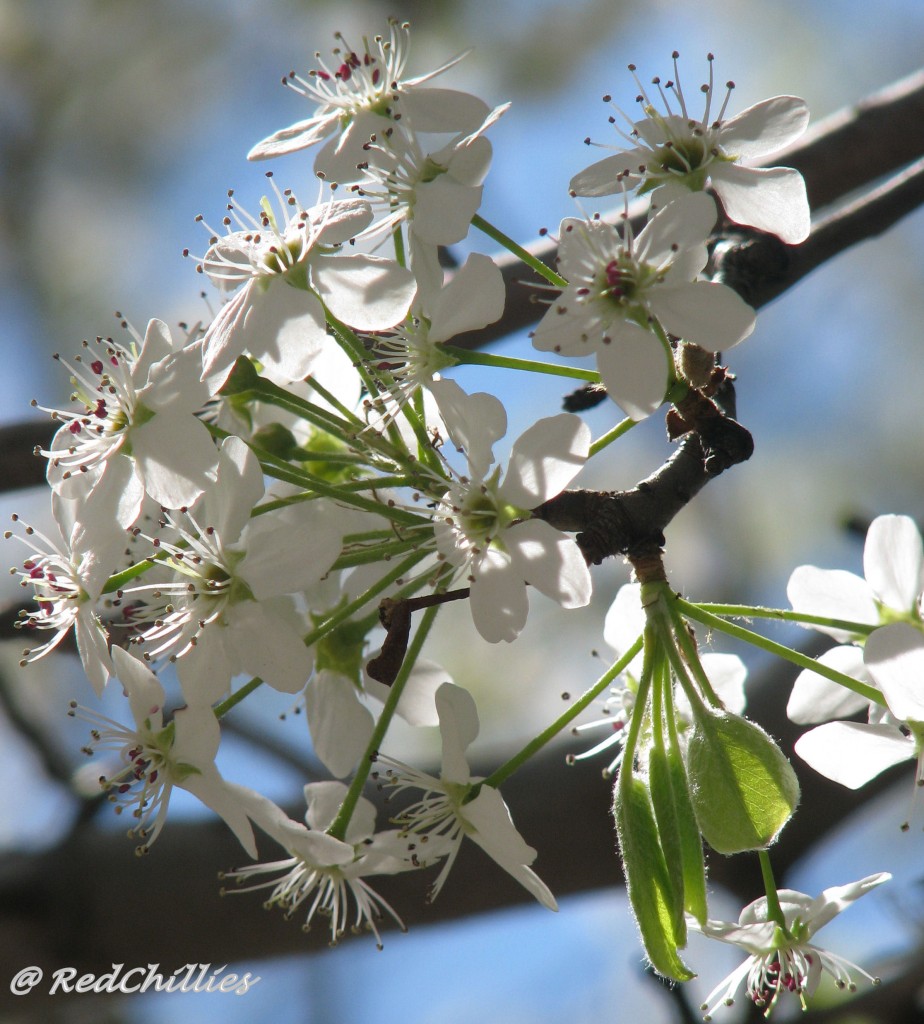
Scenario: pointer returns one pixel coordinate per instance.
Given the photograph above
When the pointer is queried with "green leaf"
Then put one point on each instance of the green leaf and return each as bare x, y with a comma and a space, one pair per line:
665, 812
648, 883
691, 844
742, 786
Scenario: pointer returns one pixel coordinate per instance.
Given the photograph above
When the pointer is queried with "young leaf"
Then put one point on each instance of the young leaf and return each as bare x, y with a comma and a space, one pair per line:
648, 882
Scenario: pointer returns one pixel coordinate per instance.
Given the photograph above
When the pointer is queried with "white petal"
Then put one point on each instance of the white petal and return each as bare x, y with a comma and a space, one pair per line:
297, 136
837, 898
895, 656
442, 110
704, 312
290, 549
634, 369
175, 457
851, 753
368, 293
340, 725
474, 297
570, 328
239, 487
727, 673
458, 719
545, 459
834, 594
681, 224
145, 694
267, 646
625, 622
285, 329
443, 210
324, 800
892, 561
601, 178
474, 422
771, 199
498, 599
496, 834
212, 790
817, 699
417, 704
550, 561
766, 127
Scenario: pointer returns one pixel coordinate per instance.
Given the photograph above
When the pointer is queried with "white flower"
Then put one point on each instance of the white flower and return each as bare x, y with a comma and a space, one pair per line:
226, 610
675, 152
137, 433
413, 352
853, 753
436, 194
617, 286
156, 757
447, 812
365, 93
67, 576
624, 624
324, 871
483, 524
893, 564
285, 327
785, 958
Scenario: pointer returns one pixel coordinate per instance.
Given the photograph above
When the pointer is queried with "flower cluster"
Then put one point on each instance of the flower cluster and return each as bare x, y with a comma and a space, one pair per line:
881, 616
291, 492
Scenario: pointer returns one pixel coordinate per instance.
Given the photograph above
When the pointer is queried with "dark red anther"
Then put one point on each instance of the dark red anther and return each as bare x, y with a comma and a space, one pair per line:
376, 75
74, 427
614, 278
100, 410
344, 72
97, 366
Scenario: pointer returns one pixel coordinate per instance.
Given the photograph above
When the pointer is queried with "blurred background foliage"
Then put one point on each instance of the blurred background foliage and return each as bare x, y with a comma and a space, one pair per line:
121, 120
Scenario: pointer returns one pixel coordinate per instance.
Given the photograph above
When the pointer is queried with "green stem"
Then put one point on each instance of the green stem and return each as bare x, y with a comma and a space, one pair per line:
463, 355
509, 767
623, 427
229, 702
511, 246
692, 611
747, 611
339, 825
774, 910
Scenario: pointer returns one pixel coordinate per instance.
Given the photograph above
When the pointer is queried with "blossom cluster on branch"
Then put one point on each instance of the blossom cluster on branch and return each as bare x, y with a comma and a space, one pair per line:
249, 501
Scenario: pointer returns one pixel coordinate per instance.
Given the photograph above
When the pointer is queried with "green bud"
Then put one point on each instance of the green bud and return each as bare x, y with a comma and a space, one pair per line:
652, 895
243, 377
277, 440
743, 788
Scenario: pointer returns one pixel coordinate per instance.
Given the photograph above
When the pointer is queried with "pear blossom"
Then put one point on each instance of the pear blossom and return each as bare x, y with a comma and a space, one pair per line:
413, 352
893, 567
673, 152
455, 805
325, 872
483, 523
364, 93
853, 753
137, 433
156, 757
784, 958
226, 609
435, 194
285, 327
619, 284
67, 576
